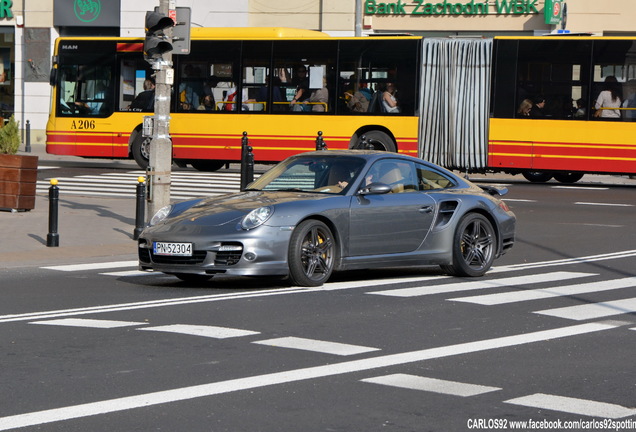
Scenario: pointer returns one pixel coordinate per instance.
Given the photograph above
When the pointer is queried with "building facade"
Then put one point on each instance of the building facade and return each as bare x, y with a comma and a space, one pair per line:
28, 29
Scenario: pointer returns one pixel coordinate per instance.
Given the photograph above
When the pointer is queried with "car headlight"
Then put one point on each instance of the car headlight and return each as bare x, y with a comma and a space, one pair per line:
161, 215
256, 217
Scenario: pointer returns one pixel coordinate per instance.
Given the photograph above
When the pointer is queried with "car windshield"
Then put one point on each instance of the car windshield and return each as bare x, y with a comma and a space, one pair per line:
322, 174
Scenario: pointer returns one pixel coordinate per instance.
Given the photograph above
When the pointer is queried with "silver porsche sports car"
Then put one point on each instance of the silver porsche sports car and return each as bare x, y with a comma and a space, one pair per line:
324, 211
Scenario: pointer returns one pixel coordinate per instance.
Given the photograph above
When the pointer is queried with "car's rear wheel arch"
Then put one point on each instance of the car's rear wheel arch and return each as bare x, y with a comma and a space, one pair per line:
459, 267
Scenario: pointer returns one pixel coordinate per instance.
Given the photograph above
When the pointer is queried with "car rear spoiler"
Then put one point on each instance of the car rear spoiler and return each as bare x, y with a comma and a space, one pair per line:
494, 190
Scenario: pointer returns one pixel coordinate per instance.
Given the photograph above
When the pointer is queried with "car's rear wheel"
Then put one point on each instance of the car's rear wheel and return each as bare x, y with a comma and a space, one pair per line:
474, 246
193, 278
311, 254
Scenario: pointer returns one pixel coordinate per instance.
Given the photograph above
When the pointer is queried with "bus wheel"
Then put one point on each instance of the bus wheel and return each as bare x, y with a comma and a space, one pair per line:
141, 150
377, 140
207, 165
537, 176
568, 177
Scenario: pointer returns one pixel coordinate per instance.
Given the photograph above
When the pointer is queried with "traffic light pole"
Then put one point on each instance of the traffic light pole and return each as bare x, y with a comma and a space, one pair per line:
160, 162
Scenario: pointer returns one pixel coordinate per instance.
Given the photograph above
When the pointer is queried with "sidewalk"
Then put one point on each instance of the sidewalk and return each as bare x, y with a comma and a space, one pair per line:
90, 228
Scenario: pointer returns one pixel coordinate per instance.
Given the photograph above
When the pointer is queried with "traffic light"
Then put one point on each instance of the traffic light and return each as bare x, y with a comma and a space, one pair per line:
157, 43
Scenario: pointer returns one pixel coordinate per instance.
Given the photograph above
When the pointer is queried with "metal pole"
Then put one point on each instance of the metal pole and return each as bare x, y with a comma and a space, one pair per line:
160, 161
247, 162
358, 18
53, 238
141, 207
27, 147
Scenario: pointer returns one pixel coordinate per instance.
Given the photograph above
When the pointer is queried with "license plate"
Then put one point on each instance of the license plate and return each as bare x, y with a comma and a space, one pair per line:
172, 249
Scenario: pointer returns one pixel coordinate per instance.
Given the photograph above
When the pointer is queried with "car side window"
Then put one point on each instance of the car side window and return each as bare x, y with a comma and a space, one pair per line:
428, 179
396, 173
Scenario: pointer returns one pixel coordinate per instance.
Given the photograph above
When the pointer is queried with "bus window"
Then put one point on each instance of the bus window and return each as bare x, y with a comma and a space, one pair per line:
366, 67
133, 76
207, 77
85, 90
306, 70
614, 70
259, 96
555, 71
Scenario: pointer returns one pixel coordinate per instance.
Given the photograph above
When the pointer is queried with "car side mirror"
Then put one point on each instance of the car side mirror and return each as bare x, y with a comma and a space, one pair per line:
375, 189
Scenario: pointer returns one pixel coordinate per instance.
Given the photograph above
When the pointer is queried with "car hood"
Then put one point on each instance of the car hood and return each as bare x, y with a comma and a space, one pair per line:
216, 211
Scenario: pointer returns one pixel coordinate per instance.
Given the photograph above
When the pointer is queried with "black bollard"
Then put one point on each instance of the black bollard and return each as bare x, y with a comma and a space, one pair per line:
27, 147
53, 238
140, 214
320, 143
247, 163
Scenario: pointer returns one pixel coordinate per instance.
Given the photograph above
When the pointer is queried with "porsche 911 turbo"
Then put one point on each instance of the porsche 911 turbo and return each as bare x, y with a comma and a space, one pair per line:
320, 212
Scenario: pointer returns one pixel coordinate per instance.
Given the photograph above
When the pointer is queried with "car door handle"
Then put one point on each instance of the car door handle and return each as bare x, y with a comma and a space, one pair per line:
426, 209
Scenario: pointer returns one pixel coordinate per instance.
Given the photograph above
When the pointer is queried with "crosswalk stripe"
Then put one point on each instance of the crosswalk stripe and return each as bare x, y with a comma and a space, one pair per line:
537, 294
478, 285
573, 406
91, 323
413, 382
316, 346
592, 311
200, 330
184, 185
92, 266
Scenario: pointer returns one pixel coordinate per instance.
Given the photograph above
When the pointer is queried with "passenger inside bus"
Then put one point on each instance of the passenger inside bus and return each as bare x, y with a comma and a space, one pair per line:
389, 100
145, 100
524, 108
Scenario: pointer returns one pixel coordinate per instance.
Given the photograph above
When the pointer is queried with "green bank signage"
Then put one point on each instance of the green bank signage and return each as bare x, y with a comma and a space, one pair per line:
421, 7
5, 9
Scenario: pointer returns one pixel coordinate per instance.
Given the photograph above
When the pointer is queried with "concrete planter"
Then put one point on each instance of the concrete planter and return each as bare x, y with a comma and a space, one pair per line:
18, 177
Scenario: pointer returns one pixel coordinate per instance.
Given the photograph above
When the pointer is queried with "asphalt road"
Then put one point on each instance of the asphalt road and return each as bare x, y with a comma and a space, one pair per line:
547, 337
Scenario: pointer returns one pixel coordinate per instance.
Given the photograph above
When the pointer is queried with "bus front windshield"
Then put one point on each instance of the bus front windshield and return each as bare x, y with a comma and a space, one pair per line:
84, 90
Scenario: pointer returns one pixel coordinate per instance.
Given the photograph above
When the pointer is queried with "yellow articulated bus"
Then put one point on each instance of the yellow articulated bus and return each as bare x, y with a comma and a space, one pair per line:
545, 107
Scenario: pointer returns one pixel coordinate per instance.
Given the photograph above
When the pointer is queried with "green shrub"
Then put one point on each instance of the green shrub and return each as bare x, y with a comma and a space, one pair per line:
10, 137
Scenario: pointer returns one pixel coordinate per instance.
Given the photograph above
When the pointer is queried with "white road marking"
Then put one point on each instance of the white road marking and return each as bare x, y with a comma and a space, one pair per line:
580, 187
199, 330
316, 346
92, 266
148, 304
91, 323
593, 311
414, 382
128, 273
604, 204
210, 389
537, 294
482, 284
283, 291
561, 262
573, 406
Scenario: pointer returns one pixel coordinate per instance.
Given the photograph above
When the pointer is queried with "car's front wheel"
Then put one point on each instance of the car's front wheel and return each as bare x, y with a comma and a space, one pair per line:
474, 246
311, 254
